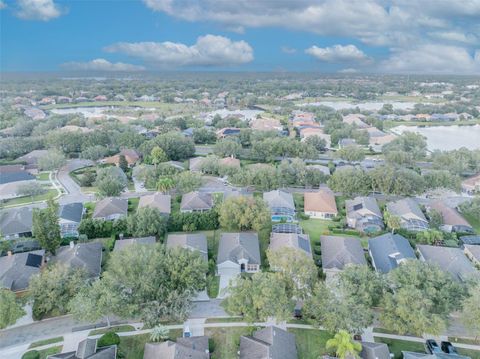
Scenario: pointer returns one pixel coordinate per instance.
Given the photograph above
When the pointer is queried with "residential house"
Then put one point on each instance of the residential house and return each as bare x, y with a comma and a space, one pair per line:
364, 215
183, 348
87, 349
270, 342
228, 132
471, 239
12, 182
70, 216
131, 156
307, 132
230, 162
111, 208
17, 269
298, 241
450, 260
192, 241
324, 169
452, 220
441, 355
86, 256
340, 252
320, 204
388, 251
471, 185
371, 350
473, 253
238, 251
410, 214
16, 222
160, 201
266, 124
355, 119
122, 244
282, 207
195, 164
345, 142
32, 158
196, 202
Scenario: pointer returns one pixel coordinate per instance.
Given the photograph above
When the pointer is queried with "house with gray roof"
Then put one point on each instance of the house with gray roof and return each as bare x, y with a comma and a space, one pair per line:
70, 216
158, 200
281, 205
364, 215
86, 256
371, 350
17, 269
183, 348
32, 158
16, 222
196, 202
410, 214
452, 220
195, 164
87, 349
122, 244
298, 241
340, 252
111, 208
413, 355
270, 342
388, 251
192, 241
450, 260
18, 176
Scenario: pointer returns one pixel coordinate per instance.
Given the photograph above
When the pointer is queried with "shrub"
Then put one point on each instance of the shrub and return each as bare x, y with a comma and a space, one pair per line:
32, 354
107, 339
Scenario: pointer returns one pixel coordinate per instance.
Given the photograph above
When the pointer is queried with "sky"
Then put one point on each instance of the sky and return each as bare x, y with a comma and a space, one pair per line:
328, 36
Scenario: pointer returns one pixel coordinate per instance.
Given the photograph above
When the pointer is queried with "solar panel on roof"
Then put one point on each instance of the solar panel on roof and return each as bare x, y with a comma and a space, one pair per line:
34, 260
357, 207
304, 244
286, 228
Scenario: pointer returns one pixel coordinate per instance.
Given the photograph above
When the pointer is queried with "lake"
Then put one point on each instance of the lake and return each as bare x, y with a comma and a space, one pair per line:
364, 106
446, 138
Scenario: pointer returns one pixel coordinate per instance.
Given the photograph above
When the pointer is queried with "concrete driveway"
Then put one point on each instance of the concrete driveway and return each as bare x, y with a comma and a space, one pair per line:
225, 278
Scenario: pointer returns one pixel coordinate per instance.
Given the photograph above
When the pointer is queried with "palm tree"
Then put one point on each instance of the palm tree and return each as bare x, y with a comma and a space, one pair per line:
344, 345
392, 221
159, 333
165, 184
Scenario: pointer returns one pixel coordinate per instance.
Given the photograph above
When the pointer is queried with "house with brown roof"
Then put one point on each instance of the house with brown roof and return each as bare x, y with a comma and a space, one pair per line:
159, 201
196, 202
131, 156
230, 162
452, 220
471, 185
355, 119
266, 124
320, 204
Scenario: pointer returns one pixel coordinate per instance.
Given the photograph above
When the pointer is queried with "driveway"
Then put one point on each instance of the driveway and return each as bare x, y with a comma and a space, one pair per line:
227, 275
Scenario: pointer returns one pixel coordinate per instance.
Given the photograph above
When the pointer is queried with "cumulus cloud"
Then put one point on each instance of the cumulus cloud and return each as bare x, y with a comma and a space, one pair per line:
288, 50
348, 71
101, 65
338, 53
2, 5
43, 10
209, 50
433, 58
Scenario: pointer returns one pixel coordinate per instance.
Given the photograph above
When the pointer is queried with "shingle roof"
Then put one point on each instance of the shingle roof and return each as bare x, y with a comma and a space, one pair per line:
196, 201
16, 269
16, 177
321, 201
71, 212
184, 348
16, 220
449, 215
372, 350
338, 252
279, 199
406, 208
195, 163
270, 342
235, 246
361, 206
125, 243
193, 241
389, 250
450, 260
110, 206
156, 200
33, 157
472, 239
290, 240
82, 255
87, 349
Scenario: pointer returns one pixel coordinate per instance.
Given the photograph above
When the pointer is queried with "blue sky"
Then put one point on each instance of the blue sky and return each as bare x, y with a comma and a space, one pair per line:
387, 36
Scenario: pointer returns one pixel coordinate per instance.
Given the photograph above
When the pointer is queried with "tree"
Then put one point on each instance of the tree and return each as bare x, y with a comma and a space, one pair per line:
165, 184
435, 218
344, 345
175, 146
204, 135
159, 333
122, 163
31, 189
146, 221
409, 142
431, 236
351, 153
10, 309
110, 181
471, 310
52, 289
298, 270
158, 155
420, 299
262, 296
317, 142
227, 148
350, 181
188, 181
244, 213
152, 283
46, 228
361, 284
53, 161
393, 222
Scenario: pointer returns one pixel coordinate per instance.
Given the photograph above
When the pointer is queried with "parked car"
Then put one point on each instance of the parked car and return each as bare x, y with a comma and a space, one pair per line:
431, 347
448, 348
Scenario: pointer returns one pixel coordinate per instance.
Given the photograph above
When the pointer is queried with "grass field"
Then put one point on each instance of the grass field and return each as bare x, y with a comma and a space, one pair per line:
45, 342
315, 227
213, 285
226, 341
474, 222
25, 200
43, 176
50, 351
397, 346
116, 329
133, 204
311, 344
132, 347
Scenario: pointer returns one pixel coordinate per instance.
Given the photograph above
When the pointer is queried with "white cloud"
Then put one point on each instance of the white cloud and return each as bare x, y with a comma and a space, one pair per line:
348, 71
209, 50
433, 58
338, 53
2, 5
101, 65
455, 36
43, 10
288, 50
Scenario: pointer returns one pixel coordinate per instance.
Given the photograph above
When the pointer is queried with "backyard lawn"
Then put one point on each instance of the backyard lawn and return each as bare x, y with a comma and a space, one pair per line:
397, 346
133, 204
43, 176
315, 228
475, 223
132, 347
310, 342
28, 199
226, 341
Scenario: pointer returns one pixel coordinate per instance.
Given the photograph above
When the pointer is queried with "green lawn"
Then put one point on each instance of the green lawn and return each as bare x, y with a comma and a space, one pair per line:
116, 329
43, 176
315, 228
50, 351
132, 347
225, 320
474, 354
213, 284
45, 342
474, 222
464, 340
310, 342
133, 204
397, 346
26, 200
226, 341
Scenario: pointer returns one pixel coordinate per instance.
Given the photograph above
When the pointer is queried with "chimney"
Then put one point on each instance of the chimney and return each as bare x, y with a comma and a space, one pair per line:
9, 253
72, 244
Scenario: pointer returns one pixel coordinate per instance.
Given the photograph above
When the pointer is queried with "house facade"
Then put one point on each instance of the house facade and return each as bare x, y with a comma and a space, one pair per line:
238, 253
111, 208
70, 216
410, 214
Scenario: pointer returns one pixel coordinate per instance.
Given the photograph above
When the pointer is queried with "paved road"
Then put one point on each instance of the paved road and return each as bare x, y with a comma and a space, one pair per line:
74, 193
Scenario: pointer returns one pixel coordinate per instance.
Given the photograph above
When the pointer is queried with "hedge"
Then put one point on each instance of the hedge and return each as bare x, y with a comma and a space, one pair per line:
32, 354
108, 339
